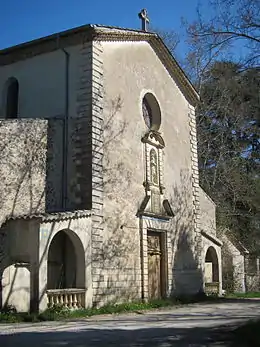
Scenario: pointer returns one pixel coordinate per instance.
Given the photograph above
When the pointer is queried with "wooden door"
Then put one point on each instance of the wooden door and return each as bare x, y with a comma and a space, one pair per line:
154, 265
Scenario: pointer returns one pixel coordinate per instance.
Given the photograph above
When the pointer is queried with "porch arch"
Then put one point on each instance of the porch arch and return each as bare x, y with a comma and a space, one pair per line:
66, 261
211, 266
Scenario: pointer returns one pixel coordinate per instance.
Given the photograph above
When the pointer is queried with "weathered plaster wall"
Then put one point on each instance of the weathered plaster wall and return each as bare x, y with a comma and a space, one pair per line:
207, 213
16, 288
16, 263
41, 85
24, 267
131, 70
22, 166
56, 85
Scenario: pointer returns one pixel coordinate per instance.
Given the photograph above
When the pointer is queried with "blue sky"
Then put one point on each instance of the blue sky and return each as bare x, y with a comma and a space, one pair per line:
25, 20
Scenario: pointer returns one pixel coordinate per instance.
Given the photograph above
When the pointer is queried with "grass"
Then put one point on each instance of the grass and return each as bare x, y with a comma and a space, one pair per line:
57, 312
249, 295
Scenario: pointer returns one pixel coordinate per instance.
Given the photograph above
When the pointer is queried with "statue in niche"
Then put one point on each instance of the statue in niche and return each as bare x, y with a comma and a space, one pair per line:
153, 167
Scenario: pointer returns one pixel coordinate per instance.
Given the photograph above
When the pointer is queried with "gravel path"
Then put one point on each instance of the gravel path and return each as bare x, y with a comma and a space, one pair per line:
196, 325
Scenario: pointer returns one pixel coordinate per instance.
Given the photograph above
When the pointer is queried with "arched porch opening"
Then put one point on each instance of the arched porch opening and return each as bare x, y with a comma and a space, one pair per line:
211, 266
211, 271
66, 270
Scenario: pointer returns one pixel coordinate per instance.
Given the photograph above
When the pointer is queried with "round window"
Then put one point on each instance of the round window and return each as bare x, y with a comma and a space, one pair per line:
147, 113
151, 112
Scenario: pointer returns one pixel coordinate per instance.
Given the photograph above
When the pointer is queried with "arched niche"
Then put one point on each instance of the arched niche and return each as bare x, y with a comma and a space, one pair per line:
66, 261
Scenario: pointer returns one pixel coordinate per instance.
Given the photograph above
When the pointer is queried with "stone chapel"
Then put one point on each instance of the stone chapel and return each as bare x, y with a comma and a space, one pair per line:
100, 196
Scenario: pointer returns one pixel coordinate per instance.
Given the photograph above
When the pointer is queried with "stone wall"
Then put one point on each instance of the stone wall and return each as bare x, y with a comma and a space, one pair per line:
31, 165
22, 166
198, 246
252, 273
16, 261
24, 269
214, 247
207, 213
40, 94
66, 103
233, 266
78, 229
130, 71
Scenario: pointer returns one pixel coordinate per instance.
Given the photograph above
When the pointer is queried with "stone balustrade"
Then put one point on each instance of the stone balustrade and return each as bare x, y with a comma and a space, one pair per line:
71, 298
212, 288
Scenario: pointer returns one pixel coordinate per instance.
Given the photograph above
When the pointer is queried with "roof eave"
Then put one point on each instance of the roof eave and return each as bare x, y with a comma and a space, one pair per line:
98, 32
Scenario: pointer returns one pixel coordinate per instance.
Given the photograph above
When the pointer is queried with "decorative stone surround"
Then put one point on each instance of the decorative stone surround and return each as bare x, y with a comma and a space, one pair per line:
150, 224
195, 185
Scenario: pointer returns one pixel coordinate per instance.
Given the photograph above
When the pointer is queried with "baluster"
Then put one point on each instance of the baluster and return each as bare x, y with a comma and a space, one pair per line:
66, 300
70, 301
61, 299
55, 299
51, 300
79, 300
75, 301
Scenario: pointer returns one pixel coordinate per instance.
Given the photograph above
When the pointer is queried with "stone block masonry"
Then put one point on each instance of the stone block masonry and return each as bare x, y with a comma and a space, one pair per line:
88, 146
195, 185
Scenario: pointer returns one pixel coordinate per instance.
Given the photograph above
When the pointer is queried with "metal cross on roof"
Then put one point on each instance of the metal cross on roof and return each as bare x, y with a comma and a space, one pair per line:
143, 15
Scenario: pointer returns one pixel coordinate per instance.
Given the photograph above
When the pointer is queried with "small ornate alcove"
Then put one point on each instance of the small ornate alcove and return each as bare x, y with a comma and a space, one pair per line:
153, 144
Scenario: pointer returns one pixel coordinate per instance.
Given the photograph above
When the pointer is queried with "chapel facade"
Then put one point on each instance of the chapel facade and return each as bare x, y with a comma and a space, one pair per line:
100, 183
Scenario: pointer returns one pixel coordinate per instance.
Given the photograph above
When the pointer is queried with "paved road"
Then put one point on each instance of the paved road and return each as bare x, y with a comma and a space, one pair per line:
193, 325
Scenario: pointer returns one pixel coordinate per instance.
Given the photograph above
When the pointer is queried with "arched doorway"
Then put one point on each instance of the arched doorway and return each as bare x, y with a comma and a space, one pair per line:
211, 266
211, 274
66, 261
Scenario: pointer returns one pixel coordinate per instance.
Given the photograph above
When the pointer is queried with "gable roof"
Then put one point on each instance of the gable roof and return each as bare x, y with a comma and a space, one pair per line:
102, 33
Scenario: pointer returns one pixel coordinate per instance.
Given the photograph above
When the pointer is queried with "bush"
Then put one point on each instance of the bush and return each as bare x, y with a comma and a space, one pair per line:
9, 309
54, 313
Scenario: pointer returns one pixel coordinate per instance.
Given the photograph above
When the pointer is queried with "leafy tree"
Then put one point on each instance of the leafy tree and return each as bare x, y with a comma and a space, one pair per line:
228, 120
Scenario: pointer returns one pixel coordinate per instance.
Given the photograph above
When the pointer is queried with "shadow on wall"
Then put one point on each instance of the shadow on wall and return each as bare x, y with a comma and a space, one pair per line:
22, 166
30, 166
28, 171
114, 250
188, 278
16, 283
54, 166
116, 276
65, 256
